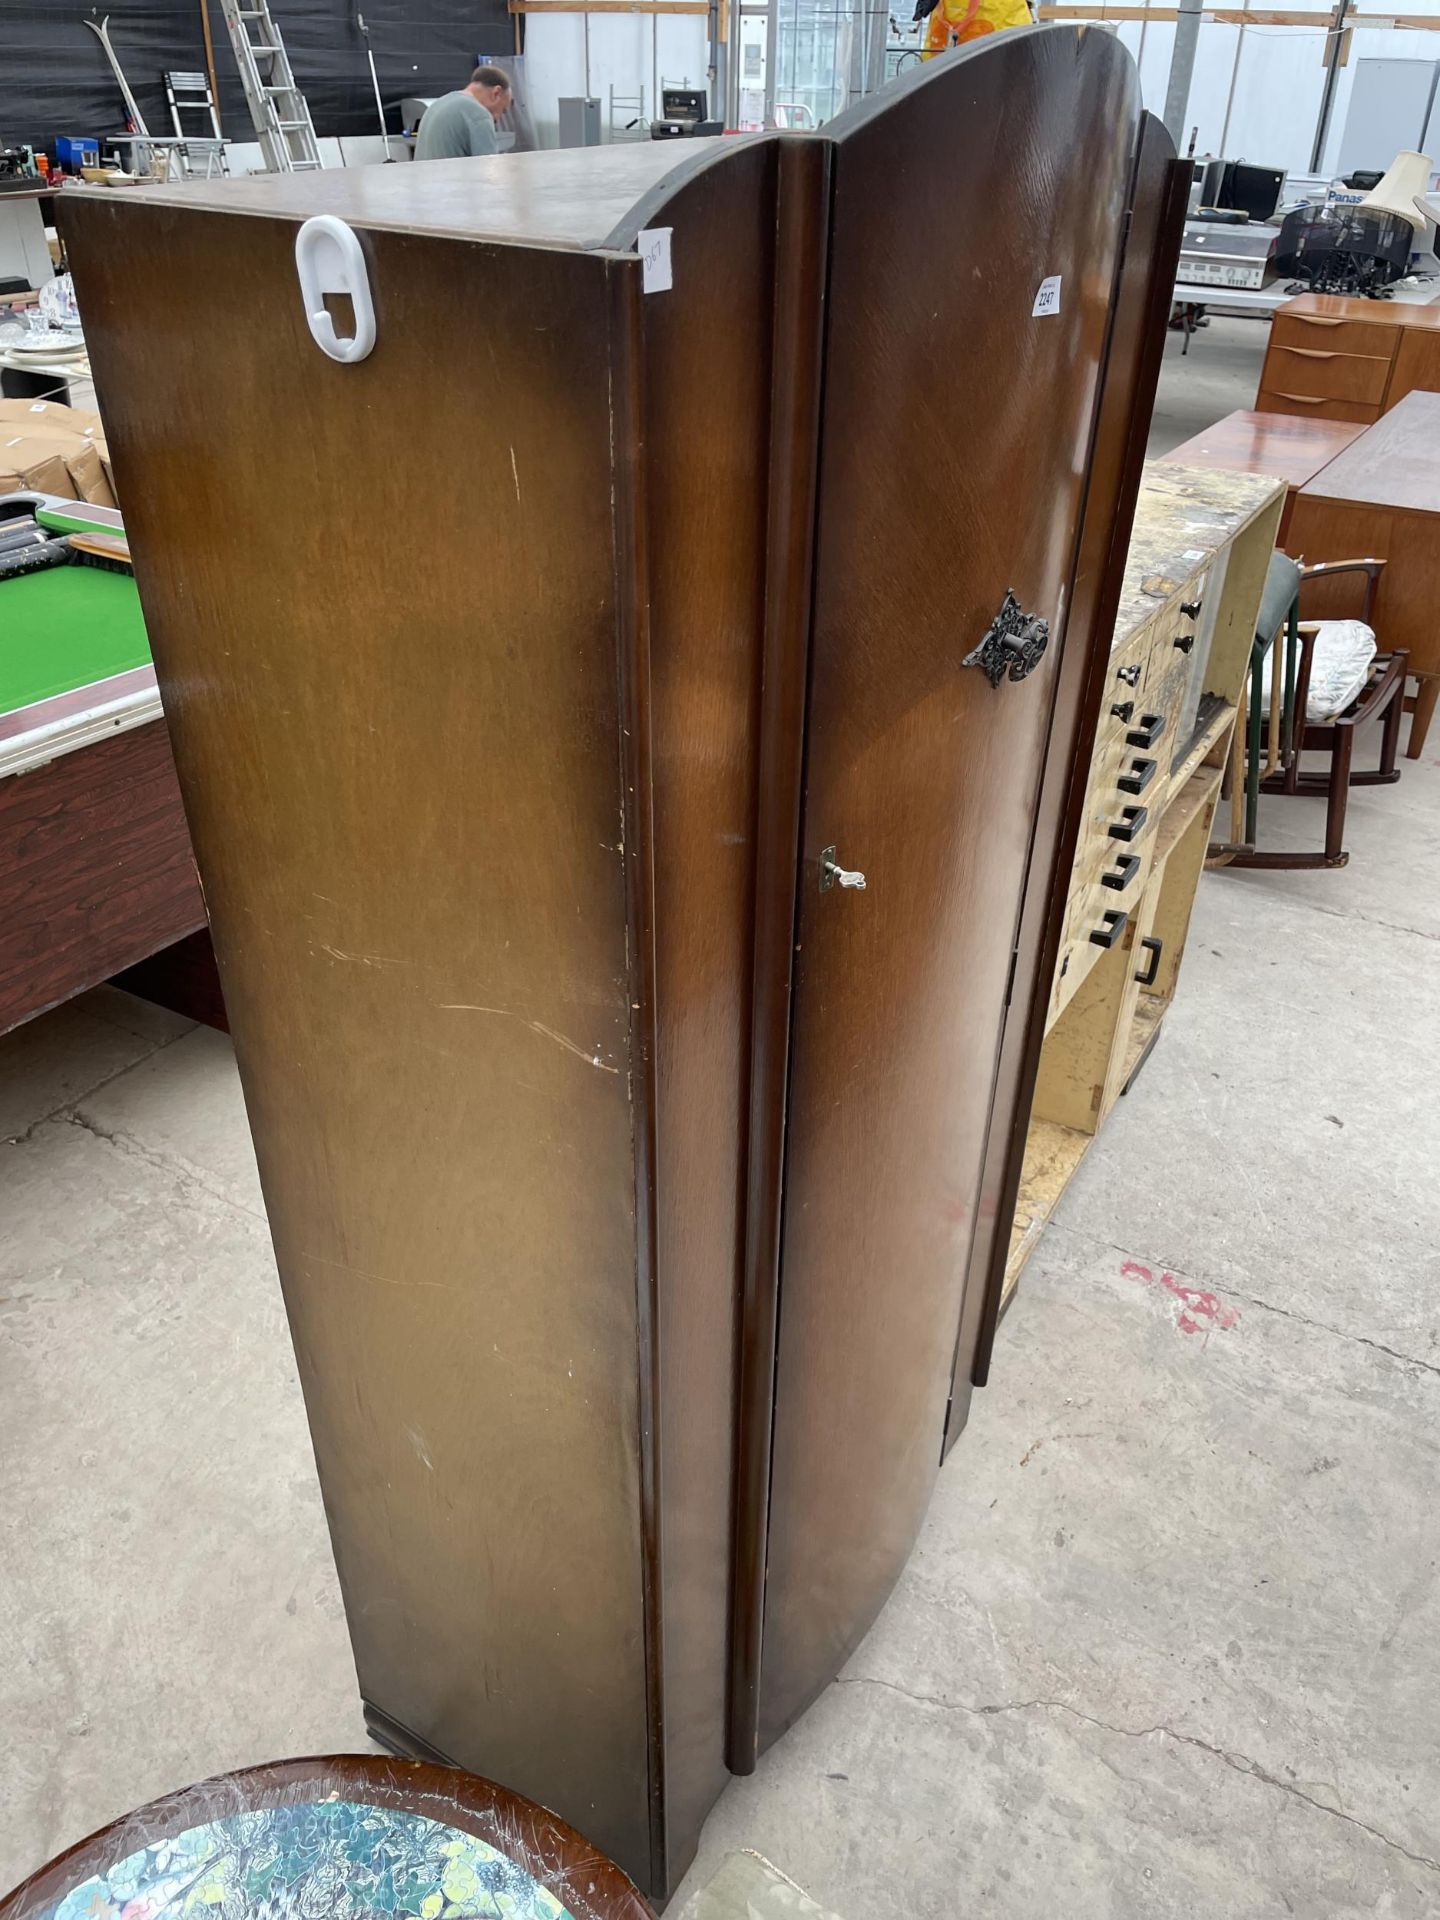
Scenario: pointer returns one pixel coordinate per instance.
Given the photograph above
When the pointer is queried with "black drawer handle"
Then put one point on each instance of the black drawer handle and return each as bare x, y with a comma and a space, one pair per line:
1130, 675
1147, 731
1132, 821
1122, 709
1191, 608
1126, 866
1142, 772
1154, 948
1185, 642
1112, 925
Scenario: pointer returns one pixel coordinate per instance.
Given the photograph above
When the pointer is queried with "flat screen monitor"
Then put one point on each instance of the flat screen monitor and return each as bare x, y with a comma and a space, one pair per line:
1250, 189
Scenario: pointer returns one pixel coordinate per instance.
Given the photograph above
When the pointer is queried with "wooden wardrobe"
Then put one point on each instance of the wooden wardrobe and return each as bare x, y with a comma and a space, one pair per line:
540, 683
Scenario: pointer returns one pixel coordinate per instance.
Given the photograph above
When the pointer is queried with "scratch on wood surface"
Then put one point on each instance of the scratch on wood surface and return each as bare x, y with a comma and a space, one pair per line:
516, 471
380, 1279
594, 1059
363, 959
591, 1059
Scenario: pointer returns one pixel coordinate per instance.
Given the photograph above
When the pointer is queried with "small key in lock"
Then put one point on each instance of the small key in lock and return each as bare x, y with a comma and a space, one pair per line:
832, 874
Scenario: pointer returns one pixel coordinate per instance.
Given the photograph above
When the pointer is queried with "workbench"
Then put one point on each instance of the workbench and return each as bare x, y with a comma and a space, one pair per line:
95, 866
1201, 544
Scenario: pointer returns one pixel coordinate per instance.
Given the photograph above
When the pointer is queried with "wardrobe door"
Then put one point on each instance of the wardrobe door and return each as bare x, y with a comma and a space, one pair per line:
1132, 369
976, 221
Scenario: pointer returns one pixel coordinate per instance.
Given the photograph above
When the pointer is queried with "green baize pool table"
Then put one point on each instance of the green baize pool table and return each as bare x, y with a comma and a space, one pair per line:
96, 873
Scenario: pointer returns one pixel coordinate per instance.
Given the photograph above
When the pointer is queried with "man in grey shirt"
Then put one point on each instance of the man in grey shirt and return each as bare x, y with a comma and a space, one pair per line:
464, 122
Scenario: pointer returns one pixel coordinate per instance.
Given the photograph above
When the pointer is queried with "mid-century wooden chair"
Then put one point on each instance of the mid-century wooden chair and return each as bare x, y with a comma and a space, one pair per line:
1304, 717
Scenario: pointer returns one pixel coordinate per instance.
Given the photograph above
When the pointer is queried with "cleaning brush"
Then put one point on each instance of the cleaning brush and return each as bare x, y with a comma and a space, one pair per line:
106, 550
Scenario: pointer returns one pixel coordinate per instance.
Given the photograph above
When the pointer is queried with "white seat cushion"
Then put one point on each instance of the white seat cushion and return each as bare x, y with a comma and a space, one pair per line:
1343, 651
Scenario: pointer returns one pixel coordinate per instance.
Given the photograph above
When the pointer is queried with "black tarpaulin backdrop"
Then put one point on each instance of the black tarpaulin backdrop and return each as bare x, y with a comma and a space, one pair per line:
55, 79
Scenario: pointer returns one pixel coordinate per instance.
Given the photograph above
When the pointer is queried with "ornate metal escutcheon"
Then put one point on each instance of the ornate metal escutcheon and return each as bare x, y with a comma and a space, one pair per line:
1015, 643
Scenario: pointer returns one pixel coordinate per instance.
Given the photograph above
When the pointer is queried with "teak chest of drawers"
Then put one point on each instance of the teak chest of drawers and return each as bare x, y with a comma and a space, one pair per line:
1193, 580
1333, 358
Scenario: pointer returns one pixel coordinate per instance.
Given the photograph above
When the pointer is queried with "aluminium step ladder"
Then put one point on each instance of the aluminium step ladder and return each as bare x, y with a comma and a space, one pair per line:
277, 106
189, 94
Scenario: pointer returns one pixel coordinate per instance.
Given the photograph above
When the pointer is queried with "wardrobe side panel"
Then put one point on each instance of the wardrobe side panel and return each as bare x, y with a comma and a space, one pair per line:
382, 601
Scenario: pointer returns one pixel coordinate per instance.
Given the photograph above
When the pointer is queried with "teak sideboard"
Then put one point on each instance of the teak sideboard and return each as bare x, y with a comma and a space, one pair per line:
622, 1152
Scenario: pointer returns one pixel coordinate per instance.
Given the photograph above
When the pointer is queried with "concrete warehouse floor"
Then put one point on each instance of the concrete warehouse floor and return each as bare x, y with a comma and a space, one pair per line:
1170, 1641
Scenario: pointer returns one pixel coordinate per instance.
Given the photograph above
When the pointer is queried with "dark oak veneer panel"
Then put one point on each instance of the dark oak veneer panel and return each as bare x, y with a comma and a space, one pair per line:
623, 1185
705, 420
936, 494
408, 812
1132, 371
572, 198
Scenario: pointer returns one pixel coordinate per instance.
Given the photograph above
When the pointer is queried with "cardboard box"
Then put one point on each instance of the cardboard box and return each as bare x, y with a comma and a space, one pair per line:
87, 473
36, 433
34, 466
49, 419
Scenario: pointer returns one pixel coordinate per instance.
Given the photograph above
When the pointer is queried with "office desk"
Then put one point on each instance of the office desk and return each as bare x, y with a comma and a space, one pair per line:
1381, 496
95, 866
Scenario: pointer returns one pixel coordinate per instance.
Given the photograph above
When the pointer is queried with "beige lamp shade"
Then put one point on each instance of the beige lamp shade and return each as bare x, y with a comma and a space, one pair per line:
1407, 178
